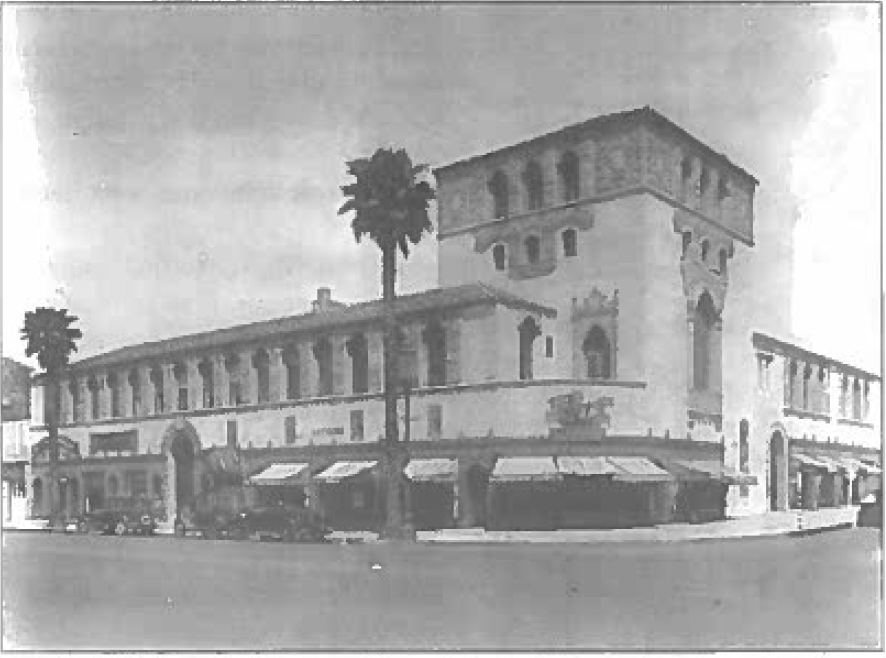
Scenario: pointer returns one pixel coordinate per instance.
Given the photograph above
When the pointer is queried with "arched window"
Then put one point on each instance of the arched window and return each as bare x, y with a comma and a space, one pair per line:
532, 179
687, 240
293, 372
569, 178
705, 248
359, 353
569, 243
323, 355
136, 391
529, 331
532, 249
207, 375
157, 383
598, 354
498, 188
703, 324
498, 256
724, 258
114, 386
94, 388
262, 364
235, 384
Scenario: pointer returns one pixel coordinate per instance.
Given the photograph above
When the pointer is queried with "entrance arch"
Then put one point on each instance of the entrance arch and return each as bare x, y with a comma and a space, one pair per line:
181, 445
778, 471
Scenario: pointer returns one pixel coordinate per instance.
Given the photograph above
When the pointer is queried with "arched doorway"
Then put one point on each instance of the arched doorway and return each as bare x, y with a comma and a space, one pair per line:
778, 472
181, 445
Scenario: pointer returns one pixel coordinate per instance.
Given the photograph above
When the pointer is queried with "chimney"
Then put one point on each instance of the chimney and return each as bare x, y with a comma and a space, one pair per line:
322, 303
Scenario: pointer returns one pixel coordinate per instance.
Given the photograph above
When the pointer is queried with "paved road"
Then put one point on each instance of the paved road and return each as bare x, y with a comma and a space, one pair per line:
89, 592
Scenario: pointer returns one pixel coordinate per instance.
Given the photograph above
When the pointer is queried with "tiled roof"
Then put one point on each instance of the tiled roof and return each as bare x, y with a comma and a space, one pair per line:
600, 122
354, 314
788, 349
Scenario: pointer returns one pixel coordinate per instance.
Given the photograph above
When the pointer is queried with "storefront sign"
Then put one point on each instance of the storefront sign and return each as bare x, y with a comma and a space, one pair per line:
113, 442
328, 431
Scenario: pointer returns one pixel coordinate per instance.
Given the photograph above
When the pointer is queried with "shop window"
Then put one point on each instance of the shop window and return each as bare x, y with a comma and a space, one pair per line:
569, 176
498, 188
498, 256
570, 249
533, 248
323, 356
207, 376
356, 425
597, 352
528, 331
534, 182
180, 372
290, 430
702, 342
231, 433
359, 353
549, 347
262, 365
136, 392
435, 422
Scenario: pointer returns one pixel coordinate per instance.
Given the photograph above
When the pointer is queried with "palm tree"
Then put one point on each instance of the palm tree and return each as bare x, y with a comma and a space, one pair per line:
390, 205
51, 337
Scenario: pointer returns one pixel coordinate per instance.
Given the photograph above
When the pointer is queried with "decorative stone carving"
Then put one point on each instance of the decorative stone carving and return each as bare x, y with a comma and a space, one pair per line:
595, 305
600, 310
573, 418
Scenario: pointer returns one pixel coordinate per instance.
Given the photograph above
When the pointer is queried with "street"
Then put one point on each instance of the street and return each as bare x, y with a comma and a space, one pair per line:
91, 592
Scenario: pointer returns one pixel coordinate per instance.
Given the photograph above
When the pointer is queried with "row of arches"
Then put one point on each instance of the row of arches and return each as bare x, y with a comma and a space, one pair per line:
722, 262
532, 249
532, 181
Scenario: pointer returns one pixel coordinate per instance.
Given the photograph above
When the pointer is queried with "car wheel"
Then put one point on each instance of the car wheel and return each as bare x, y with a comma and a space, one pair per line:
120, 528
179, 529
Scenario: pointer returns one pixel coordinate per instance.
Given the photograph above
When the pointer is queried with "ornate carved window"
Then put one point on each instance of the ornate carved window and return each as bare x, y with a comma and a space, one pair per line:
594, 336
498, 188
534, 183
569, 176
702, 342
597, 351
498, 257
570, 249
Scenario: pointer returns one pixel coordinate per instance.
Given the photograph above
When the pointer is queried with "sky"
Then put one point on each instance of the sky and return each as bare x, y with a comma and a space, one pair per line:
172, 169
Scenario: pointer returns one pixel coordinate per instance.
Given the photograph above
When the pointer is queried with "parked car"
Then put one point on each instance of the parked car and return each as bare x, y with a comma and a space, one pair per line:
117, 522
275, 522
870, 513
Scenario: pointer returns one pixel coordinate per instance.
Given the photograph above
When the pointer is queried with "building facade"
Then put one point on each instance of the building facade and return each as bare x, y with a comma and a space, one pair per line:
16, 422
567, 372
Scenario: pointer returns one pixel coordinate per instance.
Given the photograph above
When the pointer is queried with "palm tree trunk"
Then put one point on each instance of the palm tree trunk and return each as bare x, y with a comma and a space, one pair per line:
393, 468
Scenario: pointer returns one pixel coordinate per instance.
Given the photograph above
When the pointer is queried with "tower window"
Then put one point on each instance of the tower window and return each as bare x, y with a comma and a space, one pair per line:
597, 351
498, 256
549, 347
534, 186
569, 243
568, 170
687, 240
498, 188
532, 249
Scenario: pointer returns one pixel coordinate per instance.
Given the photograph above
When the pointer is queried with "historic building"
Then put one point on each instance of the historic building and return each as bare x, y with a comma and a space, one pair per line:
16, 422
568, 371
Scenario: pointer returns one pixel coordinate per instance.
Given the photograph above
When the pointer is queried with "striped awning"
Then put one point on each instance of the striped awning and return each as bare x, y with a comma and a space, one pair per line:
432, 470
585, 466
525, 469
342, 470
639, 469
812, 462
281, 474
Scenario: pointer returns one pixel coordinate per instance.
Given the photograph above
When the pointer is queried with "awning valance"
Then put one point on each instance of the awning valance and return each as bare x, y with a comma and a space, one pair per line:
343, 470
432, 470
281, 474
525, 469
639, 469
585, 466
812, 462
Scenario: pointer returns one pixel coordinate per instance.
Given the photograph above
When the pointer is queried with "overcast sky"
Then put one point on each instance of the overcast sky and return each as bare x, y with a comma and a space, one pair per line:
170, 169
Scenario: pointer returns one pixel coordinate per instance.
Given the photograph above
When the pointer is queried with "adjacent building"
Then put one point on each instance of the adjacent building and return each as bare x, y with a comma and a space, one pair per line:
567, 372
16, 422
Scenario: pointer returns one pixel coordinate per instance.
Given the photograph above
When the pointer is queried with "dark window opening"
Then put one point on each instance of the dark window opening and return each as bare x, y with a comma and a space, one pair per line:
323, 355
231, 433
114, 386
356, 425
532, 249
568, 169
157, 383
498, 188
498, 256
293, 372
570, 248
702, 344
135, 390
549, 346
93, 387
435, 339
705, 248
207, 375
724, 258
687, 240
435, 421
180, 372
529, 331
534, 183
235, 386
598, 354
290, 430
358, 350
261, 363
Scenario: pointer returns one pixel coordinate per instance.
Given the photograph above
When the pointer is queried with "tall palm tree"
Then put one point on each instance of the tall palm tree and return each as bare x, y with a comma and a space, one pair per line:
390, 205
51, 337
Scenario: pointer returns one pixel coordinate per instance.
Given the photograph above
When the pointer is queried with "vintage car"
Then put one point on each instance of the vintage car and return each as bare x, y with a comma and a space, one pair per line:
118, 522
275, 522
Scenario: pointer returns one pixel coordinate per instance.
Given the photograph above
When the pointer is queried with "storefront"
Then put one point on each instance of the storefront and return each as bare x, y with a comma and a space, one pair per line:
282, 484
351, 495
432, 495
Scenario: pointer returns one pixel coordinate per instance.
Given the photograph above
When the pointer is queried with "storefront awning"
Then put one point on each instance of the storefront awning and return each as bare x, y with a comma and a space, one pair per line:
585, 466
432, 470
525, 469
343, 470
281, 474
709, 468
812, 462
639, 469
834, 463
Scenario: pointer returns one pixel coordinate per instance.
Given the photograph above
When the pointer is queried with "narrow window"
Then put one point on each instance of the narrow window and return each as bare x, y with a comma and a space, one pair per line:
293, 372
702, 342
569, 243
262, 365
235, 386
231, 433
323, 356
291, 430
844, 396
93, 387
157, 383
534, 183
866, 410
76, 402
498, 188
705, 248
180, 372
569, 178
856, 399
807, 376
113, 384
532, 249
685, 178
356, 425
435, 422
597, 351
498, 256
207, 375
37, 487
136, 392
824, 404
359, 352
724, 258
113, 485
435, 340
157, 481
549, 347
743, 453
704, 182
687, 240
529, 331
